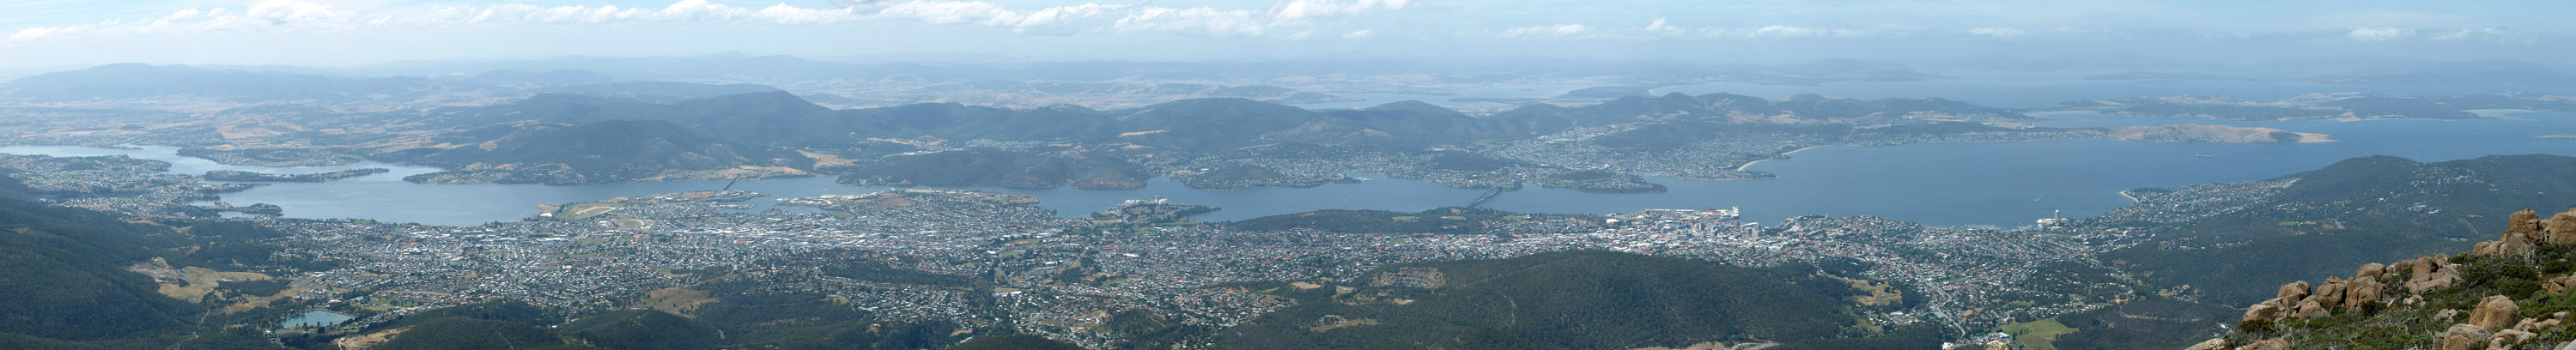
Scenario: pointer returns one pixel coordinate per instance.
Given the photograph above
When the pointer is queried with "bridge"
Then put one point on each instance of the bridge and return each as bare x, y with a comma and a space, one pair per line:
1489, 195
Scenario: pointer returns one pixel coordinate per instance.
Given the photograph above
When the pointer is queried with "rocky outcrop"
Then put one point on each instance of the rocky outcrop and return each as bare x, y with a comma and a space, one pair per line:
2463, 337
2495, 312
2505, 339
2495, 322
2428, 273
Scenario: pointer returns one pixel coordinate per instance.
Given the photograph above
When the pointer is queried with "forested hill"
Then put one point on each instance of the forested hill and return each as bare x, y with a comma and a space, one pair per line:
2361, 210
68, 279
1563, 300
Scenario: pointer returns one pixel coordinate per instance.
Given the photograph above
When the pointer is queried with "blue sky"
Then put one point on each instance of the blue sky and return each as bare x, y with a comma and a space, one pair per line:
352, 32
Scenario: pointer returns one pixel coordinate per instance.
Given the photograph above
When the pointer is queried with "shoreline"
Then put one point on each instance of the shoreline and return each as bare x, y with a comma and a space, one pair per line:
2133, 200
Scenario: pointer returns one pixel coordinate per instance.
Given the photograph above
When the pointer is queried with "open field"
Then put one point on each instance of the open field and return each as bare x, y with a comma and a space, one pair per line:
2037, 335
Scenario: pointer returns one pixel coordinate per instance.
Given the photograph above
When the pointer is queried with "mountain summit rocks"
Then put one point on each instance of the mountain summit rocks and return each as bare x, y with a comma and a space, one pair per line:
2509, 293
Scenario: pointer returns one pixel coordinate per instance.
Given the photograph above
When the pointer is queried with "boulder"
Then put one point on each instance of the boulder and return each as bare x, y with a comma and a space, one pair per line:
2446, 314
2264, 311
2309, 308
2505, 339
2360, 292
2432, 272
2370, 271
2536, 325
2559, 284
2290, 294
2268, 344
2462, 337
2212, 344
2523, 223
2561, 223
2516, 248
2495, 312
2331, 293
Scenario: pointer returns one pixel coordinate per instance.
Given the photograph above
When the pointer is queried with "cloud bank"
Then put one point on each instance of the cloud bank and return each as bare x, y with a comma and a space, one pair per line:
1286, 18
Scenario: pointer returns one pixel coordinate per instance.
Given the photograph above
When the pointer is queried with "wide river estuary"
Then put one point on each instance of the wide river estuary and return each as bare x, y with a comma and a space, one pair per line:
1942, 184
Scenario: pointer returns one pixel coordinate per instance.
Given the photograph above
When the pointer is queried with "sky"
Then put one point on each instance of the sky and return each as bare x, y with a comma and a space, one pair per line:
78, 33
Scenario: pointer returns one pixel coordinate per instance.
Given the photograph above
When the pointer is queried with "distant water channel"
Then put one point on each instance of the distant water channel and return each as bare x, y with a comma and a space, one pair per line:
1943, 184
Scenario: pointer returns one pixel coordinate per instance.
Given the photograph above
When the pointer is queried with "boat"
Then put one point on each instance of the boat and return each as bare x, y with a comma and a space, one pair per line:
2202, 156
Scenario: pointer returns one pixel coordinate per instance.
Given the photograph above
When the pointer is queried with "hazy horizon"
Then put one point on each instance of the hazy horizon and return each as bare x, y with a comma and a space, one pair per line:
52, 35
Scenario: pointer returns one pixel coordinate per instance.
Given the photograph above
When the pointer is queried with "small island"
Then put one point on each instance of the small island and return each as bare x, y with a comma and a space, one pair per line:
245, 176
2560, 137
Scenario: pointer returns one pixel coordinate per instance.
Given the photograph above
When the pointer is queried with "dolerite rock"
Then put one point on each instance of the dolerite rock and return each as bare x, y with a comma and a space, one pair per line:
2309, 309
2563, 224
2559, 284
2362, 291
2331, 293
2290, 294
2463, 337
2504, 339
2212, 344
2268, 344
2495, 312
2371, 271
2264, 311
2525, 223
2507, 246
2431, 272
2535, 325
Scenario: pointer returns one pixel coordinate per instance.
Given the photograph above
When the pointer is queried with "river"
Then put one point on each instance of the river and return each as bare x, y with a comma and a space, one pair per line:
1942, 184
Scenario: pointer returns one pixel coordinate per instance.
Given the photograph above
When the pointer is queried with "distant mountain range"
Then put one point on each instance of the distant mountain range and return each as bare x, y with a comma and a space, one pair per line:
598, 152
1109, 149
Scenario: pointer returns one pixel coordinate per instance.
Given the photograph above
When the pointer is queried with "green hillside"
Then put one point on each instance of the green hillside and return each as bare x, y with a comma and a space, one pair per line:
1564, 300
2356, 211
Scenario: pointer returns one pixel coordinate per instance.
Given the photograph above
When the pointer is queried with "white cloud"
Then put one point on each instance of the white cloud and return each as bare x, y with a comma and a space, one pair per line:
2378, 34
1360, 34
1797, 32
1999, 32
302, 16
1289, 10
1560, 30
34, 34
1660, 27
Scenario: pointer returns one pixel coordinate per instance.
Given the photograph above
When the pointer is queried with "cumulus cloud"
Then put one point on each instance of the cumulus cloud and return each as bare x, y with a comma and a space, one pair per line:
1303, 9
1560, 30
1660, 27
2378, 34
1999, 32
1797, 32
304, 16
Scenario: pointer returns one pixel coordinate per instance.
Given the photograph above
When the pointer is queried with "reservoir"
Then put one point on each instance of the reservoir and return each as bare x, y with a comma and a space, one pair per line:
1942, 184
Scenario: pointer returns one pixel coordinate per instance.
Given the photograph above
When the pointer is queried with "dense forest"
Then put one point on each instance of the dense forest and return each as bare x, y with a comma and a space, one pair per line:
1564, 300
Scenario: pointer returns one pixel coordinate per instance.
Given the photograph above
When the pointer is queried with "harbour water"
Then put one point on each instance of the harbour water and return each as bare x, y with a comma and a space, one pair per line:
1942, 184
